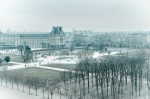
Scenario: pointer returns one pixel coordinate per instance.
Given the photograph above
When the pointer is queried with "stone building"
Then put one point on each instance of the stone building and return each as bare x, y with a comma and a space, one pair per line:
57, 37
82, 37
9, 39
34, 40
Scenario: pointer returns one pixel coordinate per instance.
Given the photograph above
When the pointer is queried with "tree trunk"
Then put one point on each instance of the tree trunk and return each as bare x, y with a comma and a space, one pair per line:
18, 86
148, 93
96, 80
1, 81
60, 95
12, 85
51, 96
36, 91
43, 93
88, 82
23, 88
48, 96
6, 83
107, 85
92, 78
29, 90
83, 78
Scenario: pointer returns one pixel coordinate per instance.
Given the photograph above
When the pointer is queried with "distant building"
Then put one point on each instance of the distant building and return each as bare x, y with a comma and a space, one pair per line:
82, 37
57, 37
34, 40
9, 39
126, 40
69, 39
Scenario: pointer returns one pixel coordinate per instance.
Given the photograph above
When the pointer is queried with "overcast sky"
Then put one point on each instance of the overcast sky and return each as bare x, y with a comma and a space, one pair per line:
95, 15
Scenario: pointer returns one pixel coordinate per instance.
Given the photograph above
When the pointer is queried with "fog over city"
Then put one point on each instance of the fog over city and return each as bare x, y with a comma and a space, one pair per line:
96, 15
74, 49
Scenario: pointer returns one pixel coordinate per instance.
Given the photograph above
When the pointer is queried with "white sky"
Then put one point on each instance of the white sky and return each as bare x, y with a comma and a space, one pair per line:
96, 15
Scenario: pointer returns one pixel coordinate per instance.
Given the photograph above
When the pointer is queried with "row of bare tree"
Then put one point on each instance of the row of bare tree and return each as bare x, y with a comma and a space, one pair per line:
109, 77
33, 82
106, 78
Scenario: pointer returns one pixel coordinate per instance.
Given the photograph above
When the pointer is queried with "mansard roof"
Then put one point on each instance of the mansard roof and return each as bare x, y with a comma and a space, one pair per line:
33, 35
57, 30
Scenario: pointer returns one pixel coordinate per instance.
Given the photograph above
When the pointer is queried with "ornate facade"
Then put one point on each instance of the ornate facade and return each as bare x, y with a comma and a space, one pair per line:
56, 38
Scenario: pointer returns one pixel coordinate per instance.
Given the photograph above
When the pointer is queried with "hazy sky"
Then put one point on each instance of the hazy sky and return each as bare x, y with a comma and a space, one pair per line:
96, 15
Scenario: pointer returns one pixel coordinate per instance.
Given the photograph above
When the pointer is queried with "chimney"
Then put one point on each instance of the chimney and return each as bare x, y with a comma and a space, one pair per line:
53, 28
57, 29
60, 29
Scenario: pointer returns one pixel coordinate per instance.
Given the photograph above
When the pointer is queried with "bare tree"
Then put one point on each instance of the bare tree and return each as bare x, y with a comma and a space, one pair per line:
1, 60
29, 82
36, 83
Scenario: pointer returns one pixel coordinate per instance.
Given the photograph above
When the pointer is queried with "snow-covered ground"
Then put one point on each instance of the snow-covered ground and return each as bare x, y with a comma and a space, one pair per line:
55, 59
9, 93
29, 65
12, 51
97, 54
73, 59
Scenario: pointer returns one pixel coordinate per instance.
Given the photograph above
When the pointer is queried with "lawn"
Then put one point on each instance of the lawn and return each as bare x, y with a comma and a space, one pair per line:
63, 66
61, 58
15, 58
18, 58
6, 64
144, 53
33, 71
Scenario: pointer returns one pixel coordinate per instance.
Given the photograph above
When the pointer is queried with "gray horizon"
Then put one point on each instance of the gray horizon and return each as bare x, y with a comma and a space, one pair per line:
95, 15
